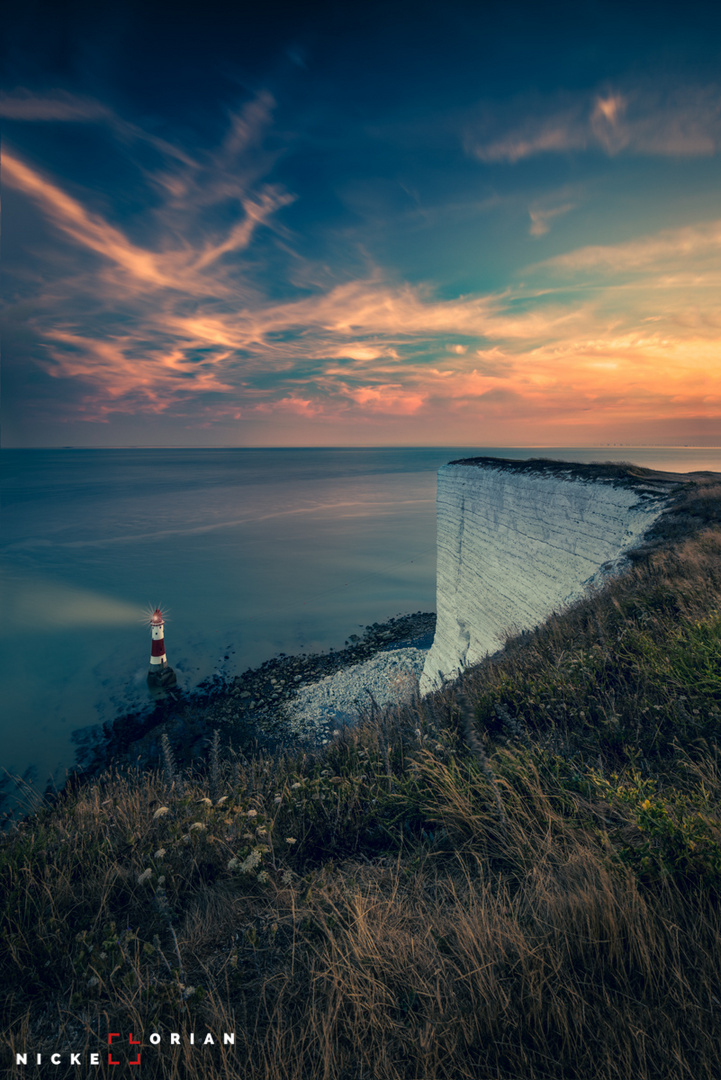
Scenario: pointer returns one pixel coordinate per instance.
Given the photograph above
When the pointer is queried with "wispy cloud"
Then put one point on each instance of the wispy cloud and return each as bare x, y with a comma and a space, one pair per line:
24, 105
58, 106
683, 122
686, 251
542, 216
560, 131
89, 230
182, 318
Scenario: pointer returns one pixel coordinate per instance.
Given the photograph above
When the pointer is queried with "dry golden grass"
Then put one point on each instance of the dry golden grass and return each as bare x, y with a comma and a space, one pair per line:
517, 878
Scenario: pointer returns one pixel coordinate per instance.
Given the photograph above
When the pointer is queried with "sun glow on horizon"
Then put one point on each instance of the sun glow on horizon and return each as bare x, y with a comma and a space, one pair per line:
208, 297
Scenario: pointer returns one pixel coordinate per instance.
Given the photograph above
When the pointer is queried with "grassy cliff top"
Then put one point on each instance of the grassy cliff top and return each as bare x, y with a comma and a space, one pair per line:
692, 501
519, 875
603, 472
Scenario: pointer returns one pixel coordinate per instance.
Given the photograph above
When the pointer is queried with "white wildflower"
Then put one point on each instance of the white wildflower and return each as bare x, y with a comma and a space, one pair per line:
250, 862
263, 877
144, 876
159, 813
294, 787
291, 840
233, 864
252, 813
278, 799
287, 877
159, 853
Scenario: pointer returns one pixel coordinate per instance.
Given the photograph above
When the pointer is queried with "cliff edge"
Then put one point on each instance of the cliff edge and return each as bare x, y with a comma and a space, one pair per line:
518, 540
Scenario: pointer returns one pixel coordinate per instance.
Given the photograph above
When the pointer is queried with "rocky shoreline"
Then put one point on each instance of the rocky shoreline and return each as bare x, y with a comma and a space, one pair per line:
250, 711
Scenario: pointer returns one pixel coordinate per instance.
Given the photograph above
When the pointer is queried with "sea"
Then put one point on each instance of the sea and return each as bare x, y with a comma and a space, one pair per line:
251, 553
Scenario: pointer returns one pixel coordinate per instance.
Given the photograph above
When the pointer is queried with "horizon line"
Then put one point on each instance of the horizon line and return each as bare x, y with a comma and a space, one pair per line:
381, 446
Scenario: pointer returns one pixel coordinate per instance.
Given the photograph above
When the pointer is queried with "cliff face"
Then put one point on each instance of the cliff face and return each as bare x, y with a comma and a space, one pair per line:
519, 540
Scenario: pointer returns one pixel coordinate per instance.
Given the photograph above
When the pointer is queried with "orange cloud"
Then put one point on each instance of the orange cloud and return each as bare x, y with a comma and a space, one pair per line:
179, 268
604, 333
87, 229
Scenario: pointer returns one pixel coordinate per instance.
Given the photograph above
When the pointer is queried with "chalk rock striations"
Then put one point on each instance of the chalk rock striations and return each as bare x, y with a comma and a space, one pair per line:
518, 540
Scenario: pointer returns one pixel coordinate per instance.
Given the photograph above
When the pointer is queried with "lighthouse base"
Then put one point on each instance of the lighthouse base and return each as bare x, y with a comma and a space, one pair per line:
161, 676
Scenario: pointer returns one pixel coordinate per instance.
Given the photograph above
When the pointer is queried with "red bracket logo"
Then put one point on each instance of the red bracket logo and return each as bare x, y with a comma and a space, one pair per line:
133, 1042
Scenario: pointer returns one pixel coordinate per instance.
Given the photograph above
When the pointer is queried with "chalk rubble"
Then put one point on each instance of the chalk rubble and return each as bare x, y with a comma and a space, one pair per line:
386, 679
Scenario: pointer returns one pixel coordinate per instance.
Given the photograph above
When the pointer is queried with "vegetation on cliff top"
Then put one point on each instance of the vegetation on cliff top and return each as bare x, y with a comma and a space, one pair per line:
519, 876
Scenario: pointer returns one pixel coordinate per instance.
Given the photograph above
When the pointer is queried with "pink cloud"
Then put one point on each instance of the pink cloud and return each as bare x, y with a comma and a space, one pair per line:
290, 404
387, 399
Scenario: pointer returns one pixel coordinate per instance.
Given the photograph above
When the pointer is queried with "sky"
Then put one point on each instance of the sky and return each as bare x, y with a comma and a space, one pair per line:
457, 223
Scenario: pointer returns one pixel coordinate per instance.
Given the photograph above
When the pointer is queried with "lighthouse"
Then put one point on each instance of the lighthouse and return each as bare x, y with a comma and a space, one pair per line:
160, 673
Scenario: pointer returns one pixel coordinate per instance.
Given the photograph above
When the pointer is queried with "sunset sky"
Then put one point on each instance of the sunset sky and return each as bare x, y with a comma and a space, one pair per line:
384, 223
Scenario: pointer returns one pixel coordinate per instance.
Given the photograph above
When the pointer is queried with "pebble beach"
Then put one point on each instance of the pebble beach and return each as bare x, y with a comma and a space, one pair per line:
287, 701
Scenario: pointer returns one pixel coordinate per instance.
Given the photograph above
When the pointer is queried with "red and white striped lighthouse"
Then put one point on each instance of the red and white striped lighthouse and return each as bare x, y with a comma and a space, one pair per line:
160, 672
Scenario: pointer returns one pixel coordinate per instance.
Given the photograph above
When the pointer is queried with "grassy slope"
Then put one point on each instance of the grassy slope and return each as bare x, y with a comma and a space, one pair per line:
518, 877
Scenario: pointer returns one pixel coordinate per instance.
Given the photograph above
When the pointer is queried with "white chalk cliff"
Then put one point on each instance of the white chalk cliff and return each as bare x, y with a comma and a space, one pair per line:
518, 540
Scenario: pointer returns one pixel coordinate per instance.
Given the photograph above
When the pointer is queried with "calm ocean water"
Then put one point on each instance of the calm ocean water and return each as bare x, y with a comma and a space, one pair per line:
252, 553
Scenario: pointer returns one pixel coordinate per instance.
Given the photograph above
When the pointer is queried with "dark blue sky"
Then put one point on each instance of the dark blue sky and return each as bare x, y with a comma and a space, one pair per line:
379, 223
